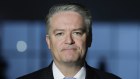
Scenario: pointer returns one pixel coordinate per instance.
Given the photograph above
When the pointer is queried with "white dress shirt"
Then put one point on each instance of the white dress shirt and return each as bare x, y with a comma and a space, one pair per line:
58, 75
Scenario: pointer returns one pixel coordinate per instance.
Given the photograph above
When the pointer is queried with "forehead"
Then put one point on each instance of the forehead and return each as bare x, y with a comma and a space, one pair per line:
66, 18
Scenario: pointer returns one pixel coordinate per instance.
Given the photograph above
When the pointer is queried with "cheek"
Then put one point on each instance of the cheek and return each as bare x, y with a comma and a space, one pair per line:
56, 45
81, 44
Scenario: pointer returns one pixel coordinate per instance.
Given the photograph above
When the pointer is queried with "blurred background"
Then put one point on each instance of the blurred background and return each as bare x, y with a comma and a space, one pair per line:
116, 36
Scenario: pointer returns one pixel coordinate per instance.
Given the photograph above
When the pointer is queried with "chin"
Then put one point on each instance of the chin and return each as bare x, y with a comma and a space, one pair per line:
71, 60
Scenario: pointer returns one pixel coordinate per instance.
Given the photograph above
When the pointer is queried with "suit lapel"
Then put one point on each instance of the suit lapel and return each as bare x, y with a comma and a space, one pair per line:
49, 72
46, 73
90, 73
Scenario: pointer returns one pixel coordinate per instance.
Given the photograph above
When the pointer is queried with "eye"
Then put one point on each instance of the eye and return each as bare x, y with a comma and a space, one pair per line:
78, 33
59, 34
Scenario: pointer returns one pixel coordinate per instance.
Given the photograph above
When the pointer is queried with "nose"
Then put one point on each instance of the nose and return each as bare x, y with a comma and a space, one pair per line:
69, 40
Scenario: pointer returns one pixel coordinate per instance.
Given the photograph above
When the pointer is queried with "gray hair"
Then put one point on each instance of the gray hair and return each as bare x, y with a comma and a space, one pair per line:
71, 7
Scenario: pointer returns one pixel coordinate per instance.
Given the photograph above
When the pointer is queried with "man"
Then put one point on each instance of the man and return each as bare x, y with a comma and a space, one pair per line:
68, 37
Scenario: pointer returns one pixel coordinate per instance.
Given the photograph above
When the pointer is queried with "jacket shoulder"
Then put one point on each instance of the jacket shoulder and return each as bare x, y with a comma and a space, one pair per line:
95, 73
40, 74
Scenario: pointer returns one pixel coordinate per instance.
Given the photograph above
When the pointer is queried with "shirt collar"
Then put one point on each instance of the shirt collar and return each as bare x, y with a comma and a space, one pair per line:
81, 74
58, 75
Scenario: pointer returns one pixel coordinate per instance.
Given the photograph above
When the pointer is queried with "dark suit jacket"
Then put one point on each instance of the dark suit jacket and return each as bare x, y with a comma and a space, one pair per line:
91, 73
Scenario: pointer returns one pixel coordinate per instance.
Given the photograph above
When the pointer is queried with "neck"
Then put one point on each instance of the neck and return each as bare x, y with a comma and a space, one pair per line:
69, 69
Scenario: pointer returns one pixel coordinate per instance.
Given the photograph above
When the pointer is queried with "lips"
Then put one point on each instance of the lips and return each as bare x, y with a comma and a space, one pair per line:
69, 49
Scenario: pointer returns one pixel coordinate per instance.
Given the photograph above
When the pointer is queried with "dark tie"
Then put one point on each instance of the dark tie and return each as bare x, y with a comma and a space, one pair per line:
69, 78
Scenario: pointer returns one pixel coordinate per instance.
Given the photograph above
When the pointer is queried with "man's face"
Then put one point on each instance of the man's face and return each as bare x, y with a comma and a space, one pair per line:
67, 37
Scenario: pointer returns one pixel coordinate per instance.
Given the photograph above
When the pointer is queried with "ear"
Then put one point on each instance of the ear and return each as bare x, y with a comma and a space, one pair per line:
48, 41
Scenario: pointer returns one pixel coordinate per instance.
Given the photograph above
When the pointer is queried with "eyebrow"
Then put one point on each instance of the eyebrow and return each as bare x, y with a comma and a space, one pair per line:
78, 29
58, 30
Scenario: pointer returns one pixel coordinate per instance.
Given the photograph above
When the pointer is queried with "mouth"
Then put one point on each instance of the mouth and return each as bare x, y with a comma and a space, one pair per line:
68, 50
